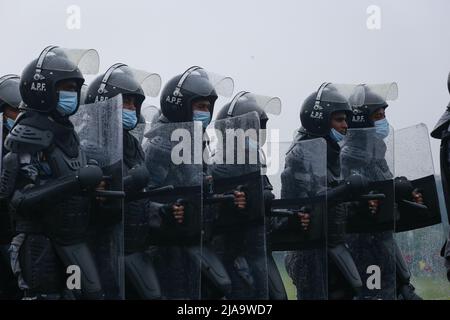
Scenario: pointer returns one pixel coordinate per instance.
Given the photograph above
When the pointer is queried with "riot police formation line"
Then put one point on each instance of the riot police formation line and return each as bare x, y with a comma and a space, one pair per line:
89, 183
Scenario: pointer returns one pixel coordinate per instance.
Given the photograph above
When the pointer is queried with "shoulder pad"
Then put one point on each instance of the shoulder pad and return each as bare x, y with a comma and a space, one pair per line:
25, 138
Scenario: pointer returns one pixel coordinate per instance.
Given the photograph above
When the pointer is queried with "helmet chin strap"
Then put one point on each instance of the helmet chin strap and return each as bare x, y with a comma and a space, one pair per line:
106, 76
234, 101
40, 61
183, 78
319, 94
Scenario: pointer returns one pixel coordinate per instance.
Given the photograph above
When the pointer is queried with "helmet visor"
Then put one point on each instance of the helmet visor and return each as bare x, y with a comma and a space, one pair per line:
340, 93
63, 59
268, 104
204, 83
130, 79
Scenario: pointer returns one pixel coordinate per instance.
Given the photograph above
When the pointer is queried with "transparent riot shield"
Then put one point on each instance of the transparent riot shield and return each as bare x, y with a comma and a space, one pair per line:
298, 174
99, 127
235, 234
173, 156
420, 233
371, 220
139, 130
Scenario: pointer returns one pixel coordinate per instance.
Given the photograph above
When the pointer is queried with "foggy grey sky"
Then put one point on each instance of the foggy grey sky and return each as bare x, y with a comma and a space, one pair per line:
285, 48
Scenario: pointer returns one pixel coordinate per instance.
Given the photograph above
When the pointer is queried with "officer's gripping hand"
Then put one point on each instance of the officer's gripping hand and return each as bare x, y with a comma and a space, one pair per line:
178, 213
417, 196
240, 200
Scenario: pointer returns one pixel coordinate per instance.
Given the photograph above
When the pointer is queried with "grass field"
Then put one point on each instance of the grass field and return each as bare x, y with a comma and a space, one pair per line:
432, 289
427, 288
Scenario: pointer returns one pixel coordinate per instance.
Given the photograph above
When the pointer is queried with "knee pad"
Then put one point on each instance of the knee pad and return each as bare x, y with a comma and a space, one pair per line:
40, 267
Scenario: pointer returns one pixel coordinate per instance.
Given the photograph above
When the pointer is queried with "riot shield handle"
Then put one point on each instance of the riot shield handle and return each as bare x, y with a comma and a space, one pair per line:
134, 196
282, 213
109, 194
290, 213
415, 205
212, 198
216, 198
403, 191
373, 196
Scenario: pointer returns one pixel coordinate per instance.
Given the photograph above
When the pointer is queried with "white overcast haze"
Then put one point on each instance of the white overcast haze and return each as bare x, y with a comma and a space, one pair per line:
285, 48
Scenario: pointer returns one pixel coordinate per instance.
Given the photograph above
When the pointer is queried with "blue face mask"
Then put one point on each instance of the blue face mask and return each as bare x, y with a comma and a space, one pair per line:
203, 116
9, 123
382, 128
67, 103
129, 119
336, 135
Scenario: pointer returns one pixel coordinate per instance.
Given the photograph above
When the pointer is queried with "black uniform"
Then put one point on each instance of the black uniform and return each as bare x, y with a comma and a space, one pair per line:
140, 215
341, 285
9, 97
343, 279
44, 160
366, 153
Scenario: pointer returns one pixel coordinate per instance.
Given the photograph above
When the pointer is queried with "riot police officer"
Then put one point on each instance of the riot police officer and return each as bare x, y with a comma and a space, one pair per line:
245, 103
324, 114
45, 160
9, 101
369, 129
187, 104
9, 106
140, 214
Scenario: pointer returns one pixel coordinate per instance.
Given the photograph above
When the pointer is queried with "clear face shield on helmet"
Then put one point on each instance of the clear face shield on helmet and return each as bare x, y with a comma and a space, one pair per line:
203, 83
380, 93
86, 60
119, 76
268, 104
340, 93
151, 115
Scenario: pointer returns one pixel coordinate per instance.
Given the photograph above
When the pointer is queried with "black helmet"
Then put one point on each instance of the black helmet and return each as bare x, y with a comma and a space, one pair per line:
245, 102
316, 111
40, 78
9, 91
448, 82
121, 79
444, 121
375, 97
195, 83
